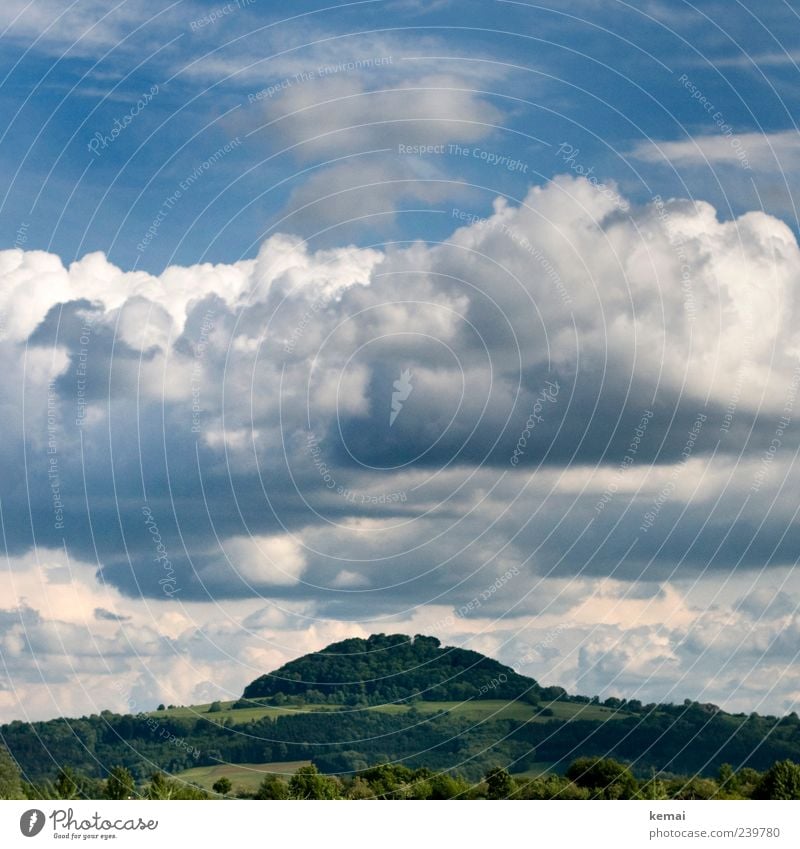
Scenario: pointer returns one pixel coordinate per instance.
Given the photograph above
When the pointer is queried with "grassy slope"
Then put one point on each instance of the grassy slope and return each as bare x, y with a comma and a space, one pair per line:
247, 776
479, 710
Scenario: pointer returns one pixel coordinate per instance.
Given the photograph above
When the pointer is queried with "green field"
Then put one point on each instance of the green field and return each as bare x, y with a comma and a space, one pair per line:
247, 776
475, 709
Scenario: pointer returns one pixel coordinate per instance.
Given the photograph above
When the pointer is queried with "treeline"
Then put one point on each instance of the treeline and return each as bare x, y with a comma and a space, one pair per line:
585, 778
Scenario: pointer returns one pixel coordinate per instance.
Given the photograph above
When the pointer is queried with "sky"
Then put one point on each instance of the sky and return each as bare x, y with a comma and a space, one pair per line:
470, 319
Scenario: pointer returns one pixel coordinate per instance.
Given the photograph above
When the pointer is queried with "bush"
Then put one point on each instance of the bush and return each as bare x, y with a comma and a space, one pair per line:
308, 783
10, 781
222, 786
607, 778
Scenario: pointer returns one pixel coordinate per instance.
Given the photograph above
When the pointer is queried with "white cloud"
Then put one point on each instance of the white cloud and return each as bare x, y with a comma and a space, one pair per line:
340, 114
264, 561
83, 28
772, 152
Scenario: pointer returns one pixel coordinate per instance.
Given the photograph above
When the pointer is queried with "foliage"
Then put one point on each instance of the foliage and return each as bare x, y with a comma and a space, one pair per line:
387, 669
222, 786
781, 781
10, 779
692, 788
585, 778
499, 784
308, 783
549, 787
161, 787
272, 787
605, 777
120, 784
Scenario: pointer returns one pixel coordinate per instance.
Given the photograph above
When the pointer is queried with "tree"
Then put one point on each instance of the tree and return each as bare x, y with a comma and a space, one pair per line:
359, 789
120, 784
215, 707
10, 780
609, 779
222, 786
389, 781
693, 788
444, 786
160, 787
653, 788
726, 777
308, 783
780, 781
550, 787
499, 784
747, 780
67, 784
272, 787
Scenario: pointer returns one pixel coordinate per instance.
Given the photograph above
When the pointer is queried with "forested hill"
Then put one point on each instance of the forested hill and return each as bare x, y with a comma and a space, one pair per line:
397, 699
385, 669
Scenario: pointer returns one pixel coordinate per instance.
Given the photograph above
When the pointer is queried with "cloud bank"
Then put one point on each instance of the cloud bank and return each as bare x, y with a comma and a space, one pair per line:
597, 396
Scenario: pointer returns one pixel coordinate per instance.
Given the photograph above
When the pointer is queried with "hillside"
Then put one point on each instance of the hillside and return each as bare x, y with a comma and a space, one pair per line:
405, 709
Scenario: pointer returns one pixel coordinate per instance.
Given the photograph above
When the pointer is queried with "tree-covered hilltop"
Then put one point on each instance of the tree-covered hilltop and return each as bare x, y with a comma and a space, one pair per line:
385, 669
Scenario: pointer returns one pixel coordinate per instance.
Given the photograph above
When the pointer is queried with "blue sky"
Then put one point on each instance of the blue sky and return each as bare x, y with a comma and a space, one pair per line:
228, 233
602, 77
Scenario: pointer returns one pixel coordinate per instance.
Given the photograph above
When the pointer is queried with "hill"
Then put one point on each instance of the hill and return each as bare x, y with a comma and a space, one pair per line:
418, 704
390, 669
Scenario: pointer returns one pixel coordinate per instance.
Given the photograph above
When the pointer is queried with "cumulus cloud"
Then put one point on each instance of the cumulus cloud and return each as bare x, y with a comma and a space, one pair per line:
591, 393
